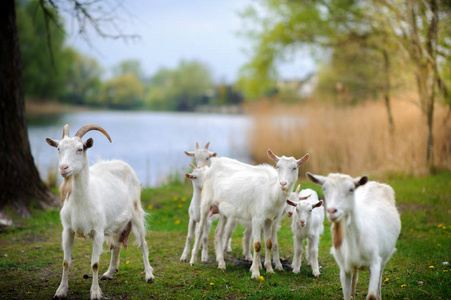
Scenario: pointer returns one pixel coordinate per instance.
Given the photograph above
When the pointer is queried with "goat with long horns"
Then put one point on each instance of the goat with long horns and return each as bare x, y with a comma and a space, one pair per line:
101, 202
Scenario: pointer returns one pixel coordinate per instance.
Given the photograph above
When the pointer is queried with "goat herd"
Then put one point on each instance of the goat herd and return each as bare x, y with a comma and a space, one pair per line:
103, 202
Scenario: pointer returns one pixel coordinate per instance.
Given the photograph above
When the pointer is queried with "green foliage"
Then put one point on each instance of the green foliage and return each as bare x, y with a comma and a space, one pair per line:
45, 69
125, 91
180, 89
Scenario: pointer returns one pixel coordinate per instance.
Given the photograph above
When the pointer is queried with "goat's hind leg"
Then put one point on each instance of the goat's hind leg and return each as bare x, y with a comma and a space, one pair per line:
115, 248
140, 232
68, 244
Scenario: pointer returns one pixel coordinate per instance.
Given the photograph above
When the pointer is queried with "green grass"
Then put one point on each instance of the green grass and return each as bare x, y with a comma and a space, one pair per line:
31, 256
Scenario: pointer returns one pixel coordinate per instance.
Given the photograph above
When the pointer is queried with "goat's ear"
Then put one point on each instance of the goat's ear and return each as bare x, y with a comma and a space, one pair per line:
317, 204
214, 154
289, 202
318, 179
187, 176
88, 144
304, 197
189, 153
274, 157
360, 181
53, 143
303, 159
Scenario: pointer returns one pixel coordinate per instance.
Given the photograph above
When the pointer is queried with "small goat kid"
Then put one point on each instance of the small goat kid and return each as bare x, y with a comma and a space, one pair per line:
196, 177
256, 194
100, 202
365, 228
307, 224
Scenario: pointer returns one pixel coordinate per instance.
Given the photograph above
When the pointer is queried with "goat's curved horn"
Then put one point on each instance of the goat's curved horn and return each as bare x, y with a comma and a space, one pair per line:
66, 130
206, 146
197, 145
88, 127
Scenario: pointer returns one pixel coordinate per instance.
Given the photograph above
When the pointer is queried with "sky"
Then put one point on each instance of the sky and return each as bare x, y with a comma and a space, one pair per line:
175, 30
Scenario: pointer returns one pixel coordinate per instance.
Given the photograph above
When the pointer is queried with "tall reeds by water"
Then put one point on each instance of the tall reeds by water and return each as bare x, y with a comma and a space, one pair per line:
352, 139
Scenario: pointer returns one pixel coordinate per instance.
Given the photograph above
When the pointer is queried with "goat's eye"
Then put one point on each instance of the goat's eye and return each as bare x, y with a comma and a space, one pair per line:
351, 190
310, 211
295, 169
207, 158
79, 150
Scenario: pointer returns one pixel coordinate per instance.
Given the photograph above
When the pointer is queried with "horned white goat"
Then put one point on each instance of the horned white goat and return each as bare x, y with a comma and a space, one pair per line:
100, 202
202, 155
196, 178
307, 224
365, 228
255, 194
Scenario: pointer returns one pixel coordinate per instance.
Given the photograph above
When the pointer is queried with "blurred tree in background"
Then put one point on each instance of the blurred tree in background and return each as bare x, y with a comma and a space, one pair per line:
122, 92
368, 44
180, 89
46, 66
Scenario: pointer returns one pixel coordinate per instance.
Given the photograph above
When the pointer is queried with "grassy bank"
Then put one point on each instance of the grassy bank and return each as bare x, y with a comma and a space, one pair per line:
31, 256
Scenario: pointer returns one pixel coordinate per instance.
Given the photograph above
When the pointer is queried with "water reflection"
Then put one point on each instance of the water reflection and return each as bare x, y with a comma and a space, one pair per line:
152, 143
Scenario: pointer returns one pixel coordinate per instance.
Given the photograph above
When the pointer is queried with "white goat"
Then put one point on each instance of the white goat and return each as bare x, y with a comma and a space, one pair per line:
100, 202
307, 224
365, 228
255, 194
196, 177
202, 155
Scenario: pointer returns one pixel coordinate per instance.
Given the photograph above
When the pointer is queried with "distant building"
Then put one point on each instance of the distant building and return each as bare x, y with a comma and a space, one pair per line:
304, 88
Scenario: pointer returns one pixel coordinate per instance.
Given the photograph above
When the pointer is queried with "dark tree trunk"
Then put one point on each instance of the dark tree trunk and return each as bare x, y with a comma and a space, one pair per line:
19, 179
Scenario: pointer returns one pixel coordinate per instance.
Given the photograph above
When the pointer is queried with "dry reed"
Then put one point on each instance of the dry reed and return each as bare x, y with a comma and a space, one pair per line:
353, 140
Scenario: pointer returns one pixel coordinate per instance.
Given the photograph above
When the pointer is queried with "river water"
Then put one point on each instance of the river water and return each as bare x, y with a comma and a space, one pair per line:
151, 142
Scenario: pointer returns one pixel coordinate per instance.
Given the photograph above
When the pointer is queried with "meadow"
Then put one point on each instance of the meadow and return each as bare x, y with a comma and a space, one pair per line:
31, 255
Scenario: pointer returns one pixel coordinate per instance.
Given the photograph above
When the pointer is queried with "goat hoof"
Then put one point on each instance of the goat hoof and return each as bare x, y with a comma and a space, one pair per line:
150, 280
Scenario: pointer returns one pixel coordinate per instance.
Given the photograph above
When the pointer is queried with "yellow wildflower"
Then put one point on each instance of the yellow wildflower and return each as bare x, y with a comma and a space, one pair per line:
262, 278
127, 262
403, 285
211, 283
177, 222
175, 198
431, 267
183, 199
440, 225
180, 206
150, 206
444, 271
387, 279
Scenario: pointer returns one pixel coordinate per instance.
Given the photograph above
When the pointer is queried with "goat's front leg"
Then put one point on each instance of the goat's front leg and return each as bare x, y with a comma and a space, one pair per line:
200, 227
312, 244
189, 239
97, 243
297, 257
267, 230
345, 279
256, 234
68, 244
275, 246
375, 278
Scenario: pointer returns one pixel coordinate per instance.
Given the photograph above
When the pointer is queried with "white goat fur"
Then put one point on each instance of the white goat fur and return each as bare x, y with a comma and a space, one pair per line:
196, 178
366, 226
307, 223
103, 202
255, 194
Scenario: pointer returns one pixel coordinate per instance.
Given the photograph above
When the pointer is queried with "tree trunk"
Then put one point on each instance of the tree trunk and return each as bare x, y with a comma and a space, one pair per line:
19, 179
387, 87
